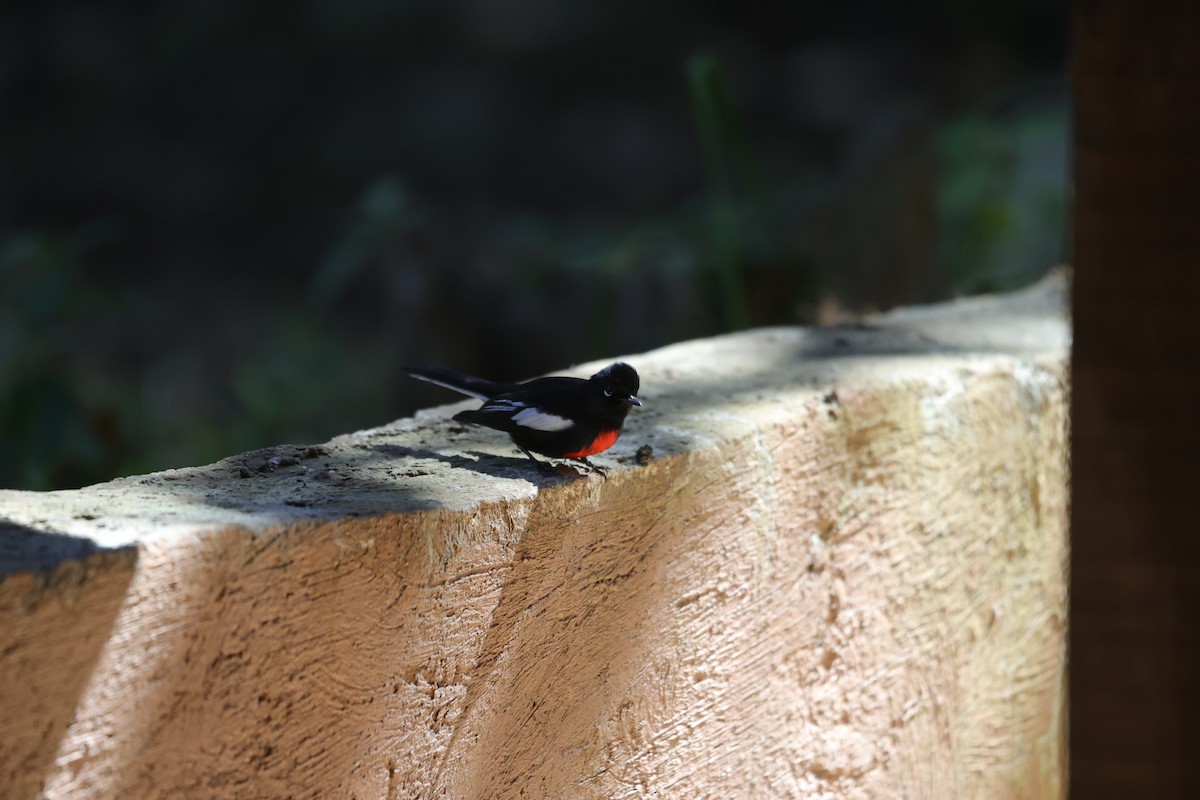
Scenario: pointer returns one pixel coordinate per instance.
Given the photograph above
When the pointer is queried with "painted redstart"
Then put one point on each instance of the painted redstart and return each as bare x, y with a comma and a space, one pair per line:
558, 417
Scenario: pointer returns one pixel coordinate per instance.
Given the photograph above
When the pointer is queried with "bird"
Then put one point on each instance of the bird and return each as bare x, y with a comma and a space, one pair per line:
558, 417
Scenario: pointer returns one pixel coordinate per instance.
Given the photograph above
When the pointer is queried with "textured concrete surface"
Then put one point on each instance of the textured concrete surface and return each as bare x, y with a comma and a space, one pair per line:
840, 574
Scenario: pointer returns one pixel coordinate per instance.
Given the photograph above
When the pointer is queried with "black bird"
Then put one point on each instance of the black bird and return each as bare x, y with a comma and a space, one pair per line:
558, 417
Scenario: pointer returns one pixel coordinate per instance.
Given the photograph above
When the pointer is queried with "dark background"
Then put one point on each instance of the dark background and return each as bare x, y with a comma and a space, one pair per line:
226, 225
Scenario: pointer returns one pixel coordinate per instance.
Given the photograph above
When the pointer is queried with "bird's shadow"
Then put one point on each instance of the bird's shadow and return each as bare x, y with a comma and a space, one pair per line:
543, 473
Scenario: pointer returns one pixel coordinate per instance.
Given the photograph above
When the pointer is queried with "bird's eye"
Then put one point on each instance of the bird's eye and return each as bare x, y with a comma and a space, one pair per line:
608, 392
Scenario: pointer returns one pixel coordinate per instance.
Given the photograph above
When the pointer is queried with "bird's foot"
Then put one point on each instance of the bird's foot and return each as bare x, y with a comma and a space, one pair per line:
595, 467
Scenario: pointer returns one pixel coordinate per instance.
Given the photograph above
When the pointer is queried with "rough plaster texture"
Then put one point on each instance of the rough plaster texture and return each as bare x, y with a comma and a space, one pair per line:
841, 575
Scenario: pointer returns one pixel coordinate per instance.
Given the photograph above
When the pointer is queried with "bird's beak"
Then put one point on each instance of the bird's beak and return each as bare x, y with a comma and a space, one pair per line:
633, 401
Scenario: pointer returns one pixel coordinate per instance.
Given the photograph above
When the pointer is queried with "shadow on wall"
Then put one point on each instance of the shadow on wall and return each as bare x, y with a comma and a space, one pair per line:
61, 598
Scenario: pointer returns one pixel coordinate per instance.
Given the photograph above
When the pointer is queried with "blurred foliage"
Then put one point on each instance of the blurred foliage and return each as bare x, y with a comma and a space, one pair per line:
1002, 201
223, 226
55, 426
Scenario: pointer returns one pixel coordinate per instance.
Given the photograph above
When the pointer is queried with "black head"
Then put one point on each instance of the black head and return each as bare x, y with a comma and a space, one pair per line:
618, 383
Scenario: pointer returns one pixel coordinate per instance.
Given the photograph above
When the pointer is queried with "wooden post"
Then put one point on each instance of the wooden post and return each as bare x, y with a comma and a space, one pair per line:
1135, 530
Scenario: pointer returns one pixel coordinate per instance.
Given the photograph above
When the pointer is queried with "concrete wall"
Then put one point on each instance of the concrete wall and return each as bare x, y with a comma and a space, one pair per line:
840, 574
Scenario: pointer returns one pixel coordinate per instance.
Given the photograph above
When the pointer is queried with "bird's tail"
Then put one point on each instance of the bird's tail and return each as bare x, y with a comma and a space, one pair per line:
456, 381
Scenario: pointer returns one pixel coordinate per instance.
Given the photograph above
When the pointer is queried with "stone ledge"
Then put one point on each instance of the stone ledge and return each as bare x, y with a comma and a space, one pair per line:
840, 574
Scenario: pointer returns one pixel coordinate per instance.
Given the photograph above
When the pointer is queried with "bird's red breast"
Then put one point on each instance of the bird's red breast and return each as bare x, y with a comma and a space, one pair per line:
603, 441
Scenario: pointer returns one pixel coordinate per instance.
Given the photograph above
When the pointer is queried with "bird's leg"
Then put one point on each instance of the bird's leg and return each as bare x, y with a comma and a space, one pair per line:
542, 466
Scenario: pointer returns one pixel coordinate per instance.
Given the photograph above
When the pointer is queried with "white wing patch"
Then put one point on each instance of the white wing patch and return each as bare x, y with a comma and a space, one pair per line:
539, 420
502, 406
